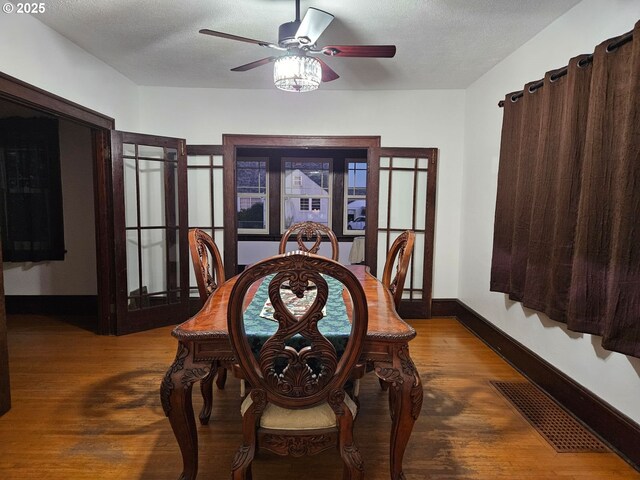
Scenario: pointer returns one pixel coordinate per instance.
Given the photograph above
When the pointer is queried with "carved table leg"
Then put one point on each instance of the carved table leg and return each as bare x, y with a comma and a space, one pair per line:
405, 403
175, 394
206, 388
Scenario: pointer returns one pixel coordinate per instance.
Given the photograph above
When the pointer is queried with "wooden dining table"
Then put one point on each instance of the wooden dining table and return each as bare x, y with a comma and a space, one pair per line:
203, 345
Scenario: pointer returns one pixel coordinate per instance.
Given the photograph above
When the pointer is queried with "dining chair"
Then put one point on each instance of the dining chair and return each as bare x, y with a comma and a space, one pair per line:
400, 250
298, 404
207, 264
310, 231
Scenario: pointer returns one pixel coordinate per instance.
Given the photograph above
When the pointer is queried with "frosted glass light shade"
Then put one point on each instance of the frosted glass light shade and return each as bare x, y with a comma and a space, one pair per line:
294, 73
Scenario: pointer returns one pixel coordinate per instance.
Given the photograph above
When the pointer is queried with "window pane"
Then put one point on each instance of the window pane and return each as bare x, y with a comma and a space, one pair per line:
152, 190
251, 213
356, 178
199, 160
303, 209
251, 176
355, 197
306, 178
199, 191
356, 216
252, 189
150, 151
306, 191
130, 196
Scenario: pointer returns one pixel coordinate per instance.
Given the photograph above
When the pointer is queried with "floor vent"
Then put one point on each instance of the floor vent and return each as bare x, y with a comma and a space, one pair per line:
557, 426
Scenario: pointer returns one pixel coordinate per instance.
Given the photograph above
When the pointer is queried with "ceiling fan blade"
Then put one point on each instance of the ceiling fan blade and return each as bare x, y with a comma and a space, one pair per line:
213, 33
327, 72
379, 51
257, 63
313, 24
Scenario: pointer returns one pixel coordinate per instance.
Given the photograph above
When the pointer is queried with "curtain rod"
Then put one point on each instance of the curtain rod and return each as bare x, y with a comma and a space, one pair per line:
626, 38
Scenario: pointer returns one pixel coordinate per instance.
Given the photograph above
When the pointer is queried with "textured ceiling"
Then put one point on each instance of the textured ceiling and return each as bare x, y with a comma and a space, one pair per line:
440, 43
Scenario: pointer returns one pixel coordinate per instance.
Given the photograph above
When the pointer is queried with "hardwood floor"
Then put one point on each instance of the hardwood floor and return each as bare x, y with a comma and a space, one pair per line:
88, 407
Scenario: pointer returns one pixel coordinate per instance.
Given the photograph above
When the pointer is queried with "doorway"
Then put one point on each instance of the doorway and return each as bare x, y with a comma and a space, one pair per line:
48, 218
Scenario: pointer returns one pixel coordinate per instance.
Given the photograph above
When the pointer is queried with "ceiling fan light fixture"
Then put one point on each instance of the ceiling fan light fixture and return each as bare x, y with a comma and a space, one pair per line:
297, 73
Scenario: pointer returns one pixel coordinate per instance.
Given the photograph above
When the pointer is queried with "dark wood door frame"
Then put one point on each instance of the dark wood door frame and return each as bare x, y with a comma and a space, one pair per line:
22, 93
232, 142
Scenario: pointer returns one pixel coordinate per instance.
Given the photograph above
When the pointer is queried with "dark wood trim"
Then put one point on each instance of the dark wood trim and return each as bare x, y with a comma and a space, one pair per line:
373, 201
274, 176
430, 227
620, 432
204, 150
338, 193
233, 142
53, 305
411, 309
230, 253
5, 386
300, 141
105, 248
29, 95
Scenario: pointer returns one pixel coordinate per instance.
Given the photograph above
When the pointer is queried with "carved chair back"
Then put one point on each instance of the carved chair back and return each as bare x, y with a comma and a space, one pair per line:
298, 404
207, 262
400, 250
310, 232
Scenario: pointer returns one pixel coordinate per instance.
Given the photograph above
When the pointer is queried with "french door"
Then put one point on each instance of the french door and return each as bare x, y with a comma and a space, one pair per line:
150, 231
406, 201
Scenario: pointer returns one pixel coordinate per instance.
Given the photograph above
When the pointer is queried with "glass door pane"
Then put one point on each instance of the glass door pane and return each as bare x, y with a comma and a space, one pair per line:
150, 220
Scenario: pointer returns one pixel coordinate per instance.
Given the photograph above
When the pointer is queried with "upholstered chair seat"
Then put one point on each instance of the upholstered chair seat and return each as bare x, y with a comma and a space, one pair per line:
315, 418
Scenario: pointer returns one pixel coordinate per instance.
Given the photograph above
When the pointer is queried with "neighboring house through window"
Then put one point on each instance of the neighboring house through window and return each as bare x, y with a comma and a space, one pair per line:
279, 187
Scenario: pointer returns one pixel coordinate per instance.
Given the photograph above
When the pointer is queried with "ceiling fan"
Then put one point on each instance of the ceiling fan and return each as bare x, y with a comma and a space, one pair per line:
298, 69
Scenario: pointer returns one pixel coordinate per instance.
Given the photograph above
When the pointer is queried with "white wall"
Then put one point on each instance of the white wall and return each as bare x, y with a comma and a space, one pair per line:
613, 377
428, 118
76, 275
36, 54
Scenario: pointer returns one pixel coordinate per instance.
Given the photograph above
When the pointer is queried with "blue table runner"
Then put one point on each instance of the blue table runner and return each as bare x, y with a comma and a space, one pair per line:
335, 325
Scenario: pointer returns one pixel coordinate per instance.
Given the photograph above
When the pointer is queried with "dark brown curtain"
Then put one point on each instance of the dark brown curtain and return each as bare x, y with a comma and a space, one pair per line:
567, 222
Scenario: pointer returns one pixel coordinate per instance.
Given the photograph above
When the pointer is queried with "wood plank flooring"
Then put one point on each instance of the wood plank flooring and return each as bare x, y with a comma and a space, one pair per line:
88, 407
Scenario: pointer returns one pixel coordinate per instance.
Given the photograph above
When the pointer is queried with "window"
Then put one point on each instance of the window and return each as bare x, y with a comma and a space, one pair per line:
252, 188
277, 187
30, 190
306, 191
355, 196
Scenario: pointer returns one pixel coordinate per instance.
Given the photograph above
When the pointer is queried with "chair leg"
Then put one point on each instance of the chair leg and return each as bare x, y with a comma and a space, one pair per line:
206, 388
353, 465
221, 378
383, 385
241, 467
356, 387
